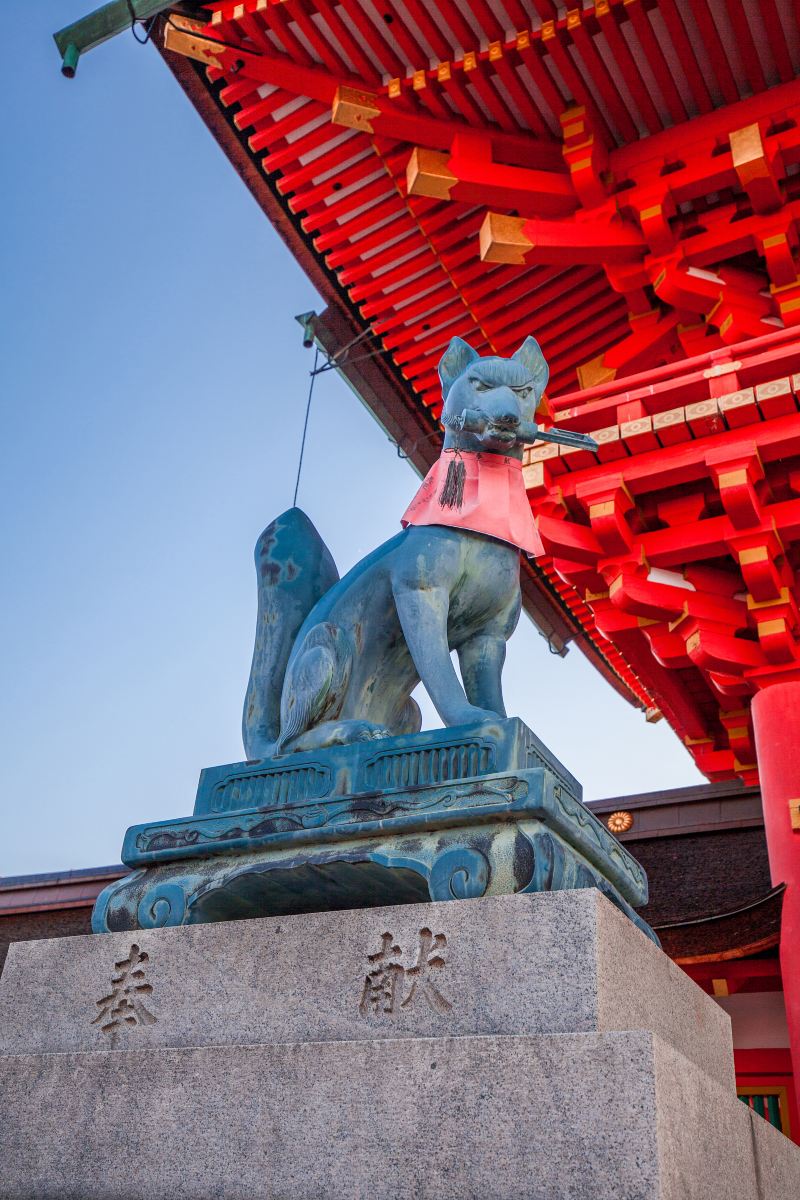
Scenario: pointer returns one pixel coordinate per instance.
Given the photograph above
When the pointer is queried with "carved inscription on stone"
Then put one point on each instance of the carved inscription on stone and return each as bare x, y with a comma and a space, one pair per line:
390, 987
124, 1006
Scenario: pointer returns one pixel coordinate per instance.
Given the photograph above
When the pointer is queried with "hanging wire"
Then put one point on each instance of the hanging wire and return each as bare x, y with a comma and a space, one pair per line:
344, 357
331, 363
406, 454
314, 374
147, 26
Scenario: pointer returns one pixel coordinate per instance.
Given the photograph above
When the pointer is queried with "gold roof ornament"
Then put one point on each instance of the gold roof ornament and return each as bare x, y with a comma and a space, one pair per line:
620, 822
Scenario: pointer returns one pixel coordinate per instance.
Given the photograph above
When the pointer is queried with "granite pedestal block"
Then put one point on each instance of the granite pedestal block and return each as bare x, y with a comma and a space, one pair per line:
457, 813
536, 1046
542, 963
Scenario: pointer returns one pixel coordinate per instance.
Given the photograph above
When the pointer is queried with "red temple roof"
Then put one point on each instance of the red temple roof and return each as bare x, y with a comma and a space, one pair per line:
395, 131
620, 179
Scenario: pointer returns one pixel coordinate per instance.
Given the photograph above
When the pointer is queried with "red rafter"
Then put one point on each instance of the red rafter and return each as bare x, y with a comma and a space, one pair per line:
658, 64
746, 45
686, 55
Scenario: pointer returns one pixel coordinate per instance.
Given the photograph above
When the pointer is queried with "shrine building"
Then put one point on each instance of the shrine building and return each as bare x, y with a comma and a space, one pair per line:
622, 180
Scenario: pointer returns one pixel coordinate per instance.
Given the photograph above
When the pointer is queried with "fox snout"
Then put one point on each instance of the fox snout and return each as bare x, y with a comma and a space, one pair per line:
503, 410
505, 420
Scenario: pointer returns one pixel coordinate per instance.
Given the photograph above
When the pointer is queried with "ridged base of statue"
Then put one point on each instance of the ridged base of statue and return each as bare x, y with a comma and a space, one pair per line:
336, 660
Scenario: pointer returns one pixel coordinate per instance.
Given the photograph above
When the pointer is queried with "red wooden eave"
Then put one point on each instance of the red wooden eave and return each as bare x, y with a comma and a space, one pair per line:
623, 181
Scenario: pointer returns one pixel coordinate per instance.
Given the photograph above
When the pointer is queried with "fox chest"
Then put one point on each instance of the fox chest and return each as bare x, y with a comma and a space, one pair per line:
487, 585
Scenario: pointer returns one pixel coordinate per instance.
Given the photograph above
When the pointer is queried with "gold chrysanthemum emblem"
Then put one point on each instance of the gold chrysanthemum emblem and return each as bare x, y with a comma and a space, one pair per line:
620, 822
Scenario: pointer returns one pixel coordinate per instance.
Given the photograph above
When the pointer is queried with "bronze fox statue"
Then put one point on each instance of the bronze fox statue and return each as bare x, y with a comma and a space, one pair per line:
336, 660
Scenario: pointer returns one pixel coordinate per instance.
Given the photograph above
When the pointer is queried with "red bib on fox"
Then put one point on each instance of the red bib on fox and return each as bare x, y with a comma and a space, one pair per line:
494, 499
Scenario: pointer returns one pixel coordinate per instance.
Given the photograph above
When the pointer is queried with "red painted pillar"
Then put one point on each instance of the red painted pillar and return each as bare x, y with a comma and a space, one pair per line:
776, 723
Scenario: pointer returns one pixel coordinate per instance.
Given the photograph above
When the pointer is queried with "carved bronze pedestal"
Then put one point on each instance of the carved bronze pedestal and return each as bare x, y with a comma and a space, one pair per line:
457, 813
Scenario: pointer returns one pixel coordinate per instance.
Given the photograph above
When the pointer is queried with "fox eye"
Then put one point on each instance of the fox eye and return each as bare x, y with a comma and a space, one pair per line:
479, 385
524, 393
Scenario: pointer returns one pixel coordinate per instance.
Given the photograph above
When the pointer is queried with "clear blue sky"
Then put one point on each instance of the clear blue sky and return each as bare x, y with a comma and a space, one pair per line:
153, 386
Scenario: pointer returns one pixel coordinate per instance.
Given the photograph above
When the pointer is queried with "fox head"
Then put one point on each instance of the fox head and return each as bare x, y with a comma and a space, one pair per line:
508, 391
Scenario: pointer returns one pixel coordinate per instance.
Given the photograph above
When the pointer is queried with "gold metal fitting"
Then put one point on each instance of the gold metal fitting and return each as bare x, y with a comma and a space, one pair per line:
620, 822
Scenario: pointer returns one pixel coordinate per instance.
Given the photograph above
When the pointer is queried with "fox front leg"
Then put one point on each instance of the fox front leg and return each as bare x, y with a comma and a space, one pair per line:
423, 618
482, 656
481, 660
423, 609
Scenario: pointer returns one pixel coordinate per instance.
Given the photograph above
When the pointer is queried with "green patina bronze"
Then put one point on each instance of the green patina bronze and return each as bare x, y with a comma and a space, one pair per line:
337, 662
100, 25
343, 803
451, 814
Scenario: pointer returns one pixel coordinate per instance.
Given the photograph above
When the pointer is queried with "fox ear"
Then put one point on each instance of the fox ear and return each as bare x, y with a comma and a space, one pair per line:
454, 362
530, 355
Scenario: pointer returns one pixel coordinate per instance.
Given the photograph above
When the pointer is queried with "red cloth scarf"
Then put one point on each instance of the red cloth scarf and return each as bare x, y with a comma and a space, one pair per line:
495, 501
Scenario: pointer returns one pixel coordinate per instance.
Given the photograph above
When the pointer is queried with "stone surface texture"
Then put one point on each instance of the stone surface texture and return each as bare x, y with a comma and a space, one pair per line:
776, 1159
552, 1052
559, 1117
551, 962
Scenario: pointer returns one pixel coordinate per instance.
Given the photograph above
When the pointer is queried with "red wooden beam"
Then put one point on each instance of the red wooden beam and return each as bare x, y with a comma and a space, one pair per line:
373, 113
516, 240
708, 130
470, 176
353, 106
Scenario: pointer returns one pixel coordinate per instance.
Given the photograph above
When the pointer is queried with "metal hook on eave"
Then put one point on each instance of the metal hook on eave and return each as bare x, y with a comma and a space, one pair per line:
341, 357
307, 320
69, 63
106, 22
556, 645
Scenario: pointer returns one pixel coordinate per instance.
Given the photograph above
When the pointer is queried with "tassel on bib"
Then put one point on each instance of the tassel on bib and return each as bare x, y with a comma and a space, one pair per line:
452, 494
